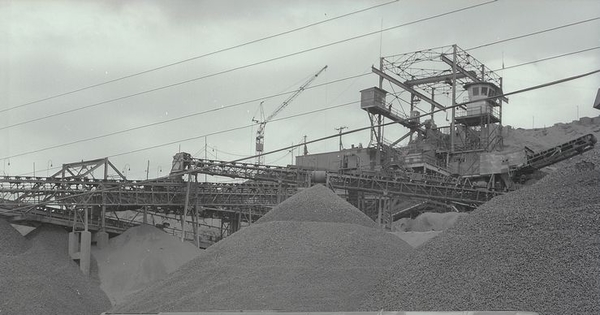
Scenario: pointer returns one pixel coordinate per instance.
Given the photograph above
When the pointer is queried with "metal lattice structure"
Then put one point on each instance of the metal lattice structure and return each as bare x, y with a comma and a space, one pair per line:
414, 90
75, 196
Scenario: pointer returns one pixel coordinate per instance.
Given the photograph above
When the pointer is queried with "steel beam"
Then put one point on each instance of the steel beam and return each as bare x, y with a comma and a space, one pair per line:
407, 88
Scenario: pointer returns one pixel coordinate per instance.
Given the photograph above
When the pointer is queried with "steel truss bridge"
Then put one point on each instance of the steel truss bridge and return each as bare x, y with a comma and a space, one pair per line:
76, 197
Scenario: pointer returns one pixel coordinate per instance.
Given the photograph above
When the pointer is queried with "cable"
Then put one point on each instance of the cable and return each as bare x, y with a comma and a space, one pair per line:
221, 151
254, 100
199, 56
220, 132
232, 129
548, 58
280, 158
179, 174
176, 118
535, 33
246, 66
423, 115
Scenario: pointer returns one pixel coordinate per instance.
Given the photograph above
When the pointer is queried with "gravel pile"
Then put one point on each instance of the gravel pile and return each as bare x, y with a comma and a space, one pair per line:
11, 241
139, 256
308, 205
536, 249
44, 280
288, 264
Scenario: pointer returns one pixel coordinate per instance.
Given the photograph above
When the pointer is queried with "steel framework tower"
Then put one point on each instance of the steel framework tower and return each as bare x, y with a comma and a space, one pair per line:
423, 85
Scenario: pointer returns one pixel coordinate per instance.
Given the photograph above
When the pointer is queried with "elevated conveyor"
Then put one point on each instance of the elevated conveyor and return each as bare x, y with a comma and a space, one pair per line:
366, 183
538, 160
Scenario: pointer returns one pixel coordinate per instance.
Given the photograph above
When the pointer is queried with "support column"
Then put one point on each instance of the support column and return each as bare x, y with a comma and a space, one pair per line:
196, 225
80, 244
85, 248
185, 208
452, 126
85, 252
145, 215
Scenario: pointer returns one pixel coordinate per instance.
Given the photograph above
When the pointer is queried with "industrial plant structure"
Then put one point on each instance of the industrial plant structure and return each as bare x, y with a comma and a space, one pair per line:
455, 166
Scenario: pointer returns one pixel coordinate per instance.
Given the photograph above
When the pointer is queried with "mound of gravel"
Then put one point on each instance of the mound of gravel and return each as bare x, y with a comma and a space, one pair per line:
317, 204
11, 241
44, 280
536, 249
287, 265
139, 256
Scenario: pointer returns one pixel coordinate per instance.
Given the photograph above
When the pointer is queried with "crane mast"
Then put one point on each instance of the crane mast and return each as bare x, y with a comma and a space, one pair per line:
260, 133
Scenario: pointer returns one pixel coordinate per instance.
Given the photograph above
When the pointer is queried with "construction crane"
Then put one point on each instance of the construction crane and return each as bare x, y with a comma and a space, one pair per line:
260, 133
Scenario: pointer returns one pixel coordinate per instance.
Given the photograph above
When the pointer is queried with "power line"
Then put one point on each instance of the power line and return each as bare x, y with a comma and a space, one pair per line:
261, 98
177, 118
347, 132
535, 33
540, 86
247, 65
255, 100
217, 132
178, 174
548, 58
228, 153
231, 129
199, 56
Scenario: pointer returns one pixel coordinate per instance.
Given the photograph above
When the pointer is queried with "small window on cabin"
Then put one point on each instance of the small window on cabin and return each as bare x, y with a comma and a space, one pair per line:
484, 91
475, 91
492, 92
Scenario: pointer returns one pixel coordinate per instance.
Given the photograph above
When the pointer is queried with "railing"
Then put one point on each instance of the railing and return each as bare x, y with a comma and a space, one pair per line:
483, 110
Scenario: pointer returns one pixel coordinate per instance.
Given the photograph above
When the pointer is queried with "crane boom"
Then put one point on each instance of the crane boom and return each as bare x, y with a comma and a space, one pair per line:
260, 133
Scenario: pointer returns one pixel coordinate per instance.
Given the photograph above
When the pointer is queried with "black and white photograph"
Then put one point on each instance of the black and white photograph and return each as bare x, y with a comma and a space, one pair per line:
306, 157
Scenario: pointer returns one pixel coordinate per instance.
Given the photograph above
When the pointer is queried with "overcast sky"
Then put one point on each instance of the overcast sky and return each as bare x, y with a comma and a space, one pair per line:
52, 47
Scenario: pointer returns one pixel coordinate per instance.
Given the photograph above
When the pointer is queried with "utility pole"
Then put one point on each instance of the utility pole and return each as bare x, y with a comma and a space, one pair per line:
340, 129
205, 157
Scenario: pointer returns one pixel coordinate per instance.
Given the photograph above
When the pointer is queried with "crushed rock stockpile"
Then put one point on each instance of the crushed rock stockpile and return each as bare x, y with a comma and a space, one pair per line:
536, 249
44, 280
11, 241
416, 239
310, 207
282, 263
139, 256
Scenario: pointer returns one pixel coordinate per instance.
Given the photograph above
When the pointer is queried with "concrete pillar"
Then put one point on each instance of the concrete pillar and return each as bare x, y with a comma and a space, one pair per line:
73, 244
85, 252
101, 239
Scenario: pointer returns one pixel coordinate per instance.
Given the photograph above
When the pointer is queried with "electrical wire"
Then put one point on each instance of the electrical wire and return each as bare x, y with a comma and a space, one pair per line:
335, 135
221, 132
199, 56
536, 87
548, 58
245, 66
535, 33
256, 99
177, 118
280, 158
347, 132
225, 152
232, 129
